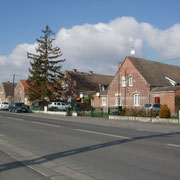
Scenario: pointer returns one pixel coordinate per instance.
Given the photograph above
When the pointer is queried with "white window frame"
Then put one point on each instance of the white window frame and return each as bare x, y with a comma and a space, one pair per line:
123, 82
103, 101
136, 100
130, 81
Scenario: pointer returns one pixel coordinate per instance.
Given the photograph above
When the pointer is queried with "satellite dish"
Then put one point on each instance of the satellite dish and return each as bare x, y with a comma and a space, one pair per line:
132, 52
97, 94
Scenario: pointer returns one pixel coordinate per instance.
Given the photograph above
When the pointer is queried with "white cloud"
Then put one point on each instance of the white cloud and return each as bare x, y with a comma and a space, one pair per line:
101, 46
16, 63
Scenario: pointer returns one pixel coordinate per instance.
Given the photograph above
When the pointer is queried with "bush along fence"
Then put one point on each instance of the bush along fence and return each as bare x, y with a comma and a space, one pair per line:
114, 113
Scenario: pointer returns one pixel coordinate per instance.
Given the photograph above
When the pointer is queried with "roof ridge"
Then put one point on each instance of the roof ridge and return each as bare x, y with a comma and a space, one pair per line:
132, 57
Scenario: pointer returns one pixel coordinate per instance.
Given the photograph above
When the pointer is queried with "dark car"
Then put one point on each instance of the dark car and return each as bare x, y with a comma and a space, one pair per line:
18, 107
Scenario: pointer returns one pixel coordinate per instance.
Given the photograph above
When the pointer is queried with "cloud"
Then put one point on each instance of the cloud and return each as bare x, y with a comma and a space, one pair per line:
16, 63
99, 47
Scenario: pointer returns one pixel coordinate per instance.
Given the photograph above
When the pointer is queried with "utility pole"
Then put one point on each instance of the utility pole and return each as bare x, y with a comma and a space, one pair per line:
13, 88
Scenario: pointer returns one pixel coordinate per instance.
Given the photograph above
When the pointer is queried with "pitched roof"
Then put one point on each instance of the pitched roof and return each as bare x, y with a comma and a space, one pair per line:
8, 88
155, 73
165, 89
25, 85
89, 81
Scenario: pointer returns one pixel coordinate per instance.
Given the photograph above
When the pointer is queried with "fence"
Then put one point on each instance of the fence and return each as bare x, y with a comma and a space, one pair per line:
37, 108
93, 112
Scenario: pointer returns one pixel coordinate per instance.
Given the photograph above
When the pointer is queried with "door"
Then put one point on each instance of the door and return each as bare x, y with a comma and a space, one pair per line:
157, 100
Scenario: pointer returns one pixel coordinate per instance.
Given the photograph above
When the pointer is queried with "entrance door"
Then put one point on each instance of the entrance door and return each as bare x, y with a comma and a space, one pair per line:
157, 100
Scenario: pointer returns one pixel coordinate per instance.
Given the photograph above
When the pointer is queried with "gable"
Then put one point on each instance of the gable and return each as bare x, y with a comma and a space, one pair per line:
8, 88
25, 86
155, 73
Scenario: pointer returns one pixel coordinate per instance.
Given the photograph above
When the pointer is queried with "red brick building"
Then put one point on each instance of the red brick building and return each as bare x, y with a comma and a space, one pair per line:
7, 91
139, 81
87, 84
21, 92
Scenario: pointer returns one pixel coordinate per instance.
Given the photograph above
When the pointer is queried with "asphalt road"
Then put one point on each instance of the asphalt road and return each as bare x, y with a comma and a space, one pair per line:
58, 147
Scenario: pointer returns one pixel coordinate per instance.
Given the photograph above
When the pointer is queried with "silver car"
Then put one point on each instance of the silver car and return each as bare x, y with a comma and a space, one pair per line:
4, 105
154, 106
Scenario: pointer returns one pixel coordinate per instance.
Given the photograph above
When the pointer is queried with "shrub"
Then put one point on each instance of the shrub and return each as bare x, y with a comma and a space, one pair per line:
148, 113
165, 112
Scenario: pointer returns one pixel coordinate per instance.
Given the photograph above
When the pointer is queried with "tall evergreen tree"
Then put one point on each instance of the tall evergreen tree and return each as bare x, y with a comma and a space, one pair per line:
45, 73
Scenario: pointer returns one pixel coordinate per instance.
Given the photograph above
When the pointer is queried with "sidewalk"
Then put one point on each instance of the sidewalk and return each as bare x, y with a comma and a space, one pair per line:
158, 127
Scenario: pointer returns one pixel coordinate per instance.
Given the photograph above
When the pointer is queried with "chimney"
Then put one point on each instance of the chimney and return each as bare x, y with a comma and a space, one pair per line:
74, 70
90, 72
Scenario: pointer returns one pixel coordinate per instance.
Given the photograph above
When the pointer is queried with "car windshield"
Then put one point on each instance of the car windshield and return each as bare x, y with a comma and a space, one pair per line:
147, 105
19, 104
4, 103
157, 105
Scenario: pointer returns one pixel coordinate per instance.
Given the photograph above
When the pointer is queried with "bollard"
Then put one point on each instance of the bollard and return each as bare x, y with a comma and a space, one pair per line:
151, 115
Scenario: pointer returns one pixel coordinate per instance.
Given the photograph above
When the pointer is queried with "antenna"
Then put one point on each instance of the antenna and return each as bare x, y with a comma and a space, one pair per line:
132, 52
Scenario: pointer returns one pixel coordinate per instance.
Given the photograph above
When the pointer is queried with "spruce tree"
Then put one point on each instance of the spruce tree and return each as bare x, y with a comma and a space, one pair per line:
45, 73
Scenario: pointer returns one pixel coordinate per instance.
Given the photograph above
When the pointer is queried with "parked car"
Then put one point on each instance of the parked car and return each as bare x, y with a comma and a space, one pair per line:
4, 105
57, 105
18, 107
83, 106
155, 107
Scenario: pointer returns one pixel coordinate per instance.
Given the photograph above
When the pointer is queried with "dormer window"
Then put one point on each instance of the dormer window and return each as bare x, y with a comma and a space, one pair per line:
171, 81
102, 87
123, 82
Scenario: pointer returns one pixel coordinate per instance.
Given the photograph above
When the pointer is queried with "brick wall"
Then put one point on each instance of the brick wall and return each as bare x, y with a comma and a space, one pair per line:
165, 98
19, 95
96, 101
139, 86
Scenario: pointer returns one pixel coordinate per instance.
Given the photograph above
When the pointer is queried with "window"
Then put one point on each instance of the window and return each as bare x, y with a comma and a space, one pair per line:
118, 100
130, 81
123, 82
136, 100
103, 101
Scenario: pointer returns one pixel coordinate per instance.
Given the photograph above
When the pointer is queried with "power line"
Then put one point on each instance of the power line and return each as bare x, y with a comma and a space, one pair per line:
172, 59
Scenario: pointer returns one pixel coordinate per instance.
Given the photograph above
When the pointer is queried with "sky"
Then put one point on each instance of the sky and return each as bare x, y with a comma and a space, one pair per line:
94, 35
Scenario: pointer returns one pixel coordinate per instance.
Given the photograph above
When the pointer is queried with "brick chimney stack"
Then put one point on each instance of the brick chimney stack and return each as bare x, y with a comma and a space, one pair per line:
90, 72
74, 70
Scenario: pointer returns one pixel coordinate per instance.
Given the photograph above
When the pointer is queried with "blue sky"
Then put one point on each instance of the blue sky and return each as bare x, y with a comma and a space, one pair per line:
22, 20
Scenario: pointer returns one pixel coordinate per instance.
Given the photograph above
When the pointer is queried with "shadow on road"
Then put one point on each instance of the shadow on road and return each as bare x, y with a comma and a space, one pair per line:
50, 157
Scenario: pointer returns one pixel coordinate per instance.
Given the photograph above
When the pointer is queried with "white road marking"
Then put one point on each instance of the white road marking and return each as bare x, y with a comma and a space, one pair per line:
33, 122
15, 118
150, 130
174, 145
105, 134
46, 124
